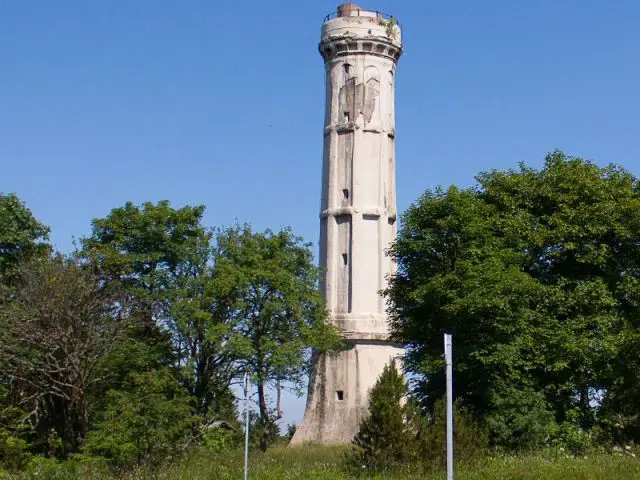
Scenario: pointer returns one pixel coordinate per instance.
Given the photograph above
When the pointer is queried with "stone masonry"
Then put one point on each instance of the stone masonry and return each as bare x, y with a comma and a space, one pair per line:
360, 49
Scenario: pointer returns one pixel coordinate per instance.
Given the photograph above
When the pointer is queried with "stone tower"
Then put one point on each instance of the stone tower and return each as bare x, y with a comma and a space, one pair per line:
360, 49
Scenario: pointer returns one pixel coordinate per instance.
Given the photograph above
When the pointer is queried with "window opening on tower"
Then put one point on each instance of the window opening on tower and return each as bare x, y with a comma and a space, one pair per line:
346, 72
339, 395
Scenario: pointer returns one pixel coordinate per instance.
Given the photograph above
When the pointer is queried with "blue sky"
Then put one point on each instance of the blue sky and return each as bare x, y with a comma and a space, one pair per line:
221, 103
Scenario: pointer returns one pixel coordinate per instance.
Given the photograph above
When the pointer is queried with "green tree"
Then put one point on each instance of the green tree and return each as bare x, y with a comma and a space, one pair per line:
387, 436
21, 236
470, 440
272, 303
148, 421
161, 256
536, 274
56, 329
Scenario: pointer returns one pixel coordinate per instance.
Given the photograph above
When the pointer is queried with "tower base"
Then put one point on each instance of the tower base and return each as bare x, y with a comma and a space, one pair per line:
339, 389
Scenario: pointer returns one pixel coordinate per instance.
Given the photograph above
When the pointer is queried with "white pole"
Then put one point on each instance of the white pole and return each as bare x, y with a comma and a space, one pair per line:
247, 388
449, 364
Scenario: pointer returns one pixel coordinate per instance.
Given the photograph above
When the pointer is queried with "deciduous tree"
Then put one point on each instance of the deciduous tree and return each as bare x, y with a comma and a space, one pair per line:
56, 329
274, 308
536, 273
21, 235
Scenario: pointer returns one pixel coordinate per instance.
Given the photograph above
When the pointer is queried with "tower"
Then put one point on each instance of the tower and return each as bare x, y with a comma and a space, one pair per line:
360, 49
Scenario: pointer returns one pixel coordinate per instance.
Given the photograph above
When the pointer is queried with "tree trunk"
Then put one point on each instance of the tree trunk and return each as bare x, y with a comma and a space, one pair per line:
264, 417
279, 399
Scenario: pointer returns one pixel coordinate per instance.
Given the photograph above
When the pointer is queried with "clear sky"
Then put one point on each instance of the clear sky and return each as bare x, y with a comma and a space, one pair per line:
221, 103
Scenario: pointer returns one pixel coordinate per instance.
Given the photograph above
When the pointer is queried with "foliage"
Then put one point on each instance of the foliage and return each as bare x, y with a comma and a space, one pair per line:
267, 286
57, 327
149, 422
218, 440
390, 25
520, 418
22, 237
14, 454
470, 440
386, 437
535, 273
160, 256
14, 431
325, 463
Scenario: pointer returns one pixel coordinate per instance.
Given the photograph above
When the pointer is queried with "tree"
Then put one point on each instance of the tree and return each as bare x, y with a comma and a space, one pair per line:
146, 422
57, 328
536, 274
161, 256
21, 235
268, 292
387, 436
145, 248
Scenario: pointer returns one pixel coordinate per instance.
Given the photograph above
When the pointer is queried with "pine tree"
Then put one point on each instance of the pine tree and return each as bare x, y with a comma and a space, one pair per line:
387, 435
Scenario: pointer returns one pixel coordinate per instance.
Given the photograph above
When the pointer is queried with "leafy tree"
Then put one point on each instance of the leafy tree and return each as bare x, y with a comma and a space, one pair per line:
14, 453
21, 236
148, 421
272, 303
470, 440
387, 436
161, 256
536, 274
57, 327
145, 248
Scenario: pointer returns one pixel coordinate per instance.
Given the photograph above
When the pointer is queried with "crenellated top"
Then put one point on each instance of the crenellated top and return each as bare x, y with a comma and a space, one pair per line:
355, 31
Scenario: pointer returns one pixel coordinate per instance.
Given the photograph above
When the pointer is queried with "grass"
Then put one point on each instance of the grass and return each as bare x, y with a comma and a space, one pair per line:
326, 463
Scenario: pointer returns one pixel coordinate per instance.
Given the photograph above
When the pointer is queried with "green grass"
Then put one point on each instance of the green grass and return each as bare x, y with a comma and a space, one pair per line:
324, 463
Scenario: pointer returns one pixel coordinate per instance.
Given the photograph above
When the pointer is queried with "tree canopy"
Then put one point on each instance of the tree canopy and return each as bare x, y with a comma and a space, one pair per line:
536, 274
21, 235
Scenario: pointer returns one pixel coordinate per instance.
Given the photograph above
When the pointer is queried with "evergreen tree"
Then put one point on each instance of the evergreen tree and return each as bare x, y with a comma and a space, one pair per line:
387, 436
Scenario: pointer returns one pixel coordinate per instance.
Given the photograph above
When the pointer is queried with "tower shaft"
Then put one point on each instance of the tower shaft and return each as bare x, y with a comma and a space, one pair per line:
357, 219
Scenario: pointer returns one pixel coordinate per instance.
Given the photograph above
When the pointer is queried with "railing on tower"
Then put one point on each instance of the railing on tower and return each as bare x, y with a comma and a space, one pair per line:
361, 12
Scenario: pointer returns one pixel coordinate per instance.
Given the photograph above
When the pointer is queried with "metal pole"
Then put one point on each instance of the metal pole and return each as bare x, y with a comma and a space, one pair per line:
247, 388
449, 364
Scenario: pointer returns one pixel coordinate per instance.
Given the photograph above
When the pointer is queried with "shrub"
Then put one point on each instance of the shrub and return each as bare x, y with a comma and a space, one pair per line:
219, 440
13, 452
387, 436
520, 418
148, 423
470, 441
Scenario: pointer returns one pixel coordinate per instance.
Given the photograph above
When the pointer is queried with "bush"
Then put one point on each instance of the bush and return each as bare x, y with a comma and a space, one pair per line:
147, 424
571, 438
520, 419
387, 436
76, 466
470, 441
220, 440
14, 453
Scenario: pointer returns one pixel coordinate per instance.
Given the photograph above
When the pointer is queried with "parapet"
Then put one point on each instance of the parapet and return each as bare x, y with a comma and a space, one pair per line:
351, 29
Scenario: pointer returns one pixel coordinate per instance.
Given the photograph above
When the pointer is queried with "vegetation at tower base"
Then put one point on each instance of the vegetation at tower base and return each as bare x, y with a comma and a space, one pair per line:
57, 328
275, 310
387, 436
395, 434
122, 355
536, 273
161, 257
127, 350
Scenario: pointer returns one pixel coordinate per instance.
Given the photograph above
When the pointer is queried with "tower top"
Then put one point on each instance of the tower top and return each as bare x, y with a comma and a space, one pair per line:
352, 29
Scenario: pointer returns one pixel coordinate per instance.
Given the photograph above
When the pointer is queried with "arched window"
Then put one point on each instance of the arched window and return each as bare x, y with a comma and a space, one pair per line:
346, 72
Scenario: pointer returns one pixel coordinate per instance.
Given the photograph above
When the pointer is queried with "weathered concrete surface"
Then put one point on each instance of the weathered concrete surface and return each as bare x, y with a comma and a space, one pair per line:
357, 218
